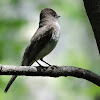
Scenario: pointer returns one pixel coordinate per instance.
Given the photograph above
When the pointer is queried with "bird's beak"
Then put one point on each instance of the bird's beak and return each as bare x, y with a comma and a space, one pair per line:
58, 16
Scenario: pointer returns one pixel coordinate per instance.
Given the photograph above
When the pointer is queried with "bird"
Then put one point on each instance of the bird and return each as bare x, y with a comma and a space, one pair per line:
43, 41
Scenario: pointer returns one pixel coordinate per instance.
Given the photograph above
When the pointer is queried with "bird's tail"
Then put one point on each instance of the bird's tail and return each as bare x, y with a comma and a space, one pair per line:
10, 82
15, 76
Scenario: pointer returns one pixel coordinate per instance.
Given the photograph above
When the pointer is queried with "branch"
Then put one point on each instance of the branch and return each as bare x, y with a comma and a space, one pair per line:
52, 71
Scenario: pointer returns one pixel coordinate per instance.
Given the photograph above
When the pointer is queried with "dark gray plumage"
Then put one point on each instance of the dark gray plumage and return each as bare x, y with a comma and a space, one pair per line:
43, 41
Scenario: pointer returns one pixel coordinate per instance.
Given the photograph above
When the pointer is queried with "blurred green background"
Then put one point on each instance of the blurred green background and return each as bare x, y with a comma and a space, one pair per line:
76, 47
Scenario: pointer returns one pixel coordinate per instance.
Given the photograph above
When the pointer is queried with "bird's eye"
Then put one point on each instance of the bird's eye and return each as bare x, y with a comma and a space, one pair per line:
53, 14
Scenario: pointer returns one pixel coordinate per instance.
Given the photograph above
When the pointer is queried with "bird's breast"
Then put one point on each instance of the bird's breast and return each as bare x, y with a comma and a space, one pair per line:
51, 44
48, 47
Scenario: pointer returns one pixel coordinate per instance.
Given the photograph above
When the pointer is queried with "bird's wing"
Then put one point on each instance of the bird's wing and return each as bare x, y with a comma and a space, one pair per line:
37, 43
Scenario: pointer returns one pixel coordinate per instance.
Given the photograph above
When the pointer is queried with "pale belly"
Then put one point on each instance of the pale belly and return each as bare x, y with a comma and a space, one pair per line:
47, 49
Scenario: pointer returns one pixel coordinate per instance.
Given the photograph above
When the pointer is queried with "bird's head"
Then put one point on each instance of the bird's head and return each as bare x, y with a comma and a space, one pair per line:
48, 13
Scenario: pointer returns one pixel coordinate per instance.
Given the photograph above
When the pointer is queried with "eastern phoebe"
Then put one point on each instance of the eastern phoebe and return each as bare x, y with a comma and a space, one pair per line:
42, 42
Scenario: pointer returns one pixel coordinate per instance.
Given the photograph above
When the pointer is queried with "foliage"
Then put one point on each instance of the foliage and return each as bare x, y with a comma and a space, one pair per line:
76, 47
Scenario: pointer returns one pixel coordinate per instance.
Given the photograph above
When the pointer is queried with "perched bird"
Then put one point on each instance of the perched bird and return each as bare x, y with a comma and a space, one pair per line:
42, 42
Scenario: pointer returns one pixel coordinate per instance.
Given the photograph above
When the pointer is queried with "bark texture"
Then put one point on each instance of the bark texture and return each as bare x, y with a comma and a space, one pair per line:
52, 71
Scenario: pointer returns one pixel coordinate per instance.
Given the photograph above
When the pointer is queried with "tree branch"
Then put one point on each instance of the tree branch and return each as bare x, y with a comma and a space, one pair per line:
52, 71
